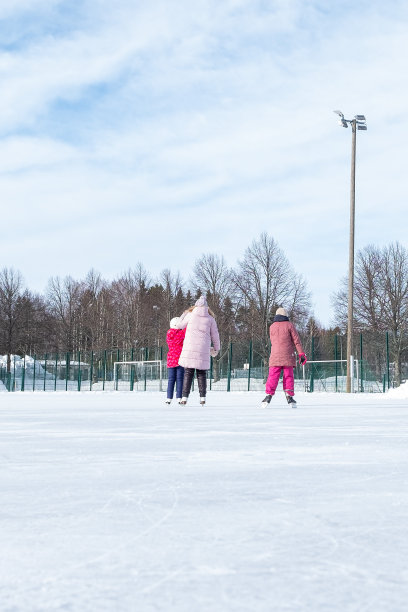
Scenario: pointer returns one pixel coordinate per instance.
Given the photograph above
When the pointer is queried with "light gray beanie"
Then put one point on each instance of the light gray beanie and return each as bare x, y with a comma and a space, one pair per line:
201, 301
282, 312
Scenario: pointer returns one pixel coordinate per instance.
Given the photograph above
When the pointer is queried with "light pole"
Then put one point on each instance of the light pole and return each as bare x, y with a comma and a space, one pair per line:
358, 123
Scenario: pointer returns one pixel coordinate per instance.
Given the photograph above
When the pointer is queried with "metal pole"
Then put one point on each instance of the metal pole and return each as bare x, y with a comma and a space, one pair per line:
311, 388
335, 358
45, 369
388, 359
79, 370
23, 374
35, 359
249, 363
351, 256
229, 367
91, 372
361, 364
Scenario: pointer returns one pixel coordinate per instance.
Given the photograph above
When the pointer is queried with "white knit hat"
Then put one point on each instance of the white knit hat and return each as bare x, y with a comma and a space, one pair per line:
281, 311
173, 322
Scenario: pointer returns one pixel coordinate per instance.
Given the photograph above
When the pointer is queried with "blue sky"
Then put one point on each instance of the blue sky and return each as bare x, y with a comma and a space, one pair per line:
159, 131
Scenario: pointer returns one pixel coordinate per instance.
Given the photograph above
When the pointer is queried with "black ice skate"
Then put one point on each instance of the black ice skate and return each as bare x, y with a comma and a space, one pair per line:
266, 401
290, 400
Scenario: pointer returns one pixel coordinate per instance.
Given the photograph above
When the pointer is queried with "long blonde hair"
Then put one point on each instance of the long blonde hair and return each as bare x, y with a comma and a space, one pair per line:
209, 311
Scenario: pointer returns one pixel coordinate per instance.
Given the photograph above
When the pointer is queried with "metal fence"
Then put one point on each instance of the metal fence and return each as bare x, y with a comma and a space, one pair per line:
238, 367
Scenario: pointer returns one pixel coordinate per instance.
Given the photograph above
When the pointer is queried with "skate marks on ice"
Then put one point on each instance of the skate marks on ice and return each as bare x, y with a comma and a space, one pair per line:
156, 505
222, 509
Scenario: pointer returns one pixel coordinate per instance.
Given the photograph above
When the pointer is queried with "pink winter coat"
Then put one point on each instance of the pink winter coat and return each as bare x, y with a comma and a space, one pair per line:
175, 338
201, 331
284, 339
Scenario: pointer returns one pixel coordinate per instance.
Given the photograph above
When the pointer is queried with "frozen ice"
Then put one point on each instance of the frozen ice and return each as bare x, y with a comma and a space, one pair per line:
118, 502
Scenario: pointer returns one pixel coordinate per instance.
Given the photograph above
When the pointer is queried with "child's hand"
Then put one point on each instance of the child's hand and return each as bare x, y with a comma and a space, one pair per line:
213, 352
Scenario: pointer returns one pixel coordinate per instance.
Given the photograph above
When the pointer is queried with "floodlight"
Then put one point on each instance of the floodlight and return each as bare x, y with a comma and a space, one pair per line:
360, 118
361, 127
339, 113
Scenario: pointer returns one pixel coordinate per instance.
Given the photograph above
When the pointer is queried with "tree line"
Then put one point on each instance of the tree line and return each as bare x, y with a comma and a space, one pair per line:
134, 310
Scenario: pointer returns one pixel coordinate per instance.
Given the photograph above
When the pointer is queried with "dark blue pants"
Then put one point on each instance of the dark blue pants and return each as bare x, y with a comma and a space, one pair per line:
176, 376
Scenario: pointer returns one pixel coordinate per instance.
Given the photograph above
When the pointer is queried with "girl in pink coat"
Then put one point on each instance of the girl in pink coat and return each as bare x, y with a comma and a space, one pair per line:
175, 339
284, 340
200, 333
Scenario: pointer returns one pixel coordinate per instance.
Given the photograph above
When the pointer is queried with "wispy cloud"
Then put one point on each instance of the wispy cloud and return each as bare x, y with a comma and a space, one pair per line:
158, 131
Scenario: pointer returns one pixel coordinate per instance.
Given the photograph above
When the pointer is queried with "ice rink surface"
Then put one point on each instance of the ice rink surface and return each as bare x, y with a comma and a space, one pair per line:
116, 502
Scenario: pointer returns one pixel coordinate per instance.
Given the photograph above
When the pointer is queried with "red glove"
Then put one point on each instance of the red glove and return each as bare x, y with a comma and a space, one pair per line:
302, 359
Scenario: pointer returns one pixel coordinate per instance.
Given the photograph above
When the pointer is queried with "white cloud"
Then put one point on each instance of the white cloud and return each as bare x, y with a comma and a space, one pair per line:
214, 123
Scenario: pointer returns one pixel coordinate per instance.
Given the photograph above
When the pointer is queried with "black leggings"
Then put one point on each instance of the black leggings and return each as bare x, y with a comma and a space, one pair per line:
188, 379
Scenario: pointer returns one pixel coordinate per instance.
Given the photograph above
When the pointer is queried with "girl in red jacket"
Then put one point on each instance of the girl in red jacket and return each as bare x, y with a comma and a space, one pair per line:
175, 339
284, 340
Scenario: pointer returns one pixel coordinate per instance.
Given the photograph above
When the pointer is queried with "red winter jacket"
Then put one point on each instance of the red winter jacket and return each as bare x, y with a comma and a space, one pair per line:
175, 339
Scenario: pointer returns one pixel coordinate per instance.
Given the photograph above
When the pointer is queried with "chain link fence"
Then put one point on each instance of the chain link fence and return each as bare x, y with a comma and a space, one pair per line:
240, 366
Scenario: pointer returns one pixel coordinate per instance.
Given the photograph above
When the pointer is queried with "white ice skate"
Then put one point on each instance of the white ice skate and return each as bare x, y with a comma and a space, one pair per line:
202, 401
266, 401
183, 401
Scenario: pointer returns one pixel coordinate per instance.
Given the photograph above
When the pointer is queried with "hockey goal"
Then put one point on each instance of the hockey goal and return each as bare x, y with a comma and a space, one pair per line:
138, 375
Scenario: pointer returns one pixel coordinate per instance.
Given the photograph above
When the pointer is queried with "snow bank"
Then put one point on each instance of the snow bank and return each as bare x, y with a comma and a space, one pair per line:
400, 392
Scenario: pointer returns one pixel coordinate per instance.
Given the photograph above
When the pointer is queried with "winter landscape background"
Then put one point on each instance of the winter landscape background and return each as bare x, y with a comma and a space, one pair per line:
150, 152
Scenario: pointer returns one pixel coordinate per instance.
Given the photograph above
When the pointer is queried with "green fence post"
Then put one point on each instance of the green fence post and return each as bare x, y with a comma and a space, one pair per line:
66, 371
56, 369
23, 374
14, 374
104, 370
361, 364
388, 358
91, 371
145, 374
211, 371
249, 364
335, 359
384, 383
229, 367
35, 359
79, 370
312, 368
45, 369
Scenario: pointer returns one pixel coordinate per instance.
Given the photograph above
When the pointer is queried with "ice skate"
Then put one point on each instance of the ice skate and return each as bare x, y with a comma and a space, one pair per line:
266, 401
202, 401
290, 400
183, 401
168, 400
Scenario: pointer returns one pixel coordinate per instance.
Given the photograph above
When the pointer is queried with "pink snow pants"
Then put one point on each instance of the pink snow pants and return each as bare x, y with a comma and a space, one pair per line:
273, 379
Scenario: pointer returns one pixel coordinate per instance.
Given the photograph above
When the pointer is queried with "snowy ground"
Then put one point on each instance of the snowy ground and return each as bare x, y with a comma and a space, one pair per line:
115, 502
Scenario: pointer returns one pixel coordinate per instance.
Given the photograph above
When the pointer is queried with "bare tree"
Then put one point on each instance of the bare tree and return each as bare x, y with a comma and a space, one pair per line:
132, 316
380, 297
395, 300
267, 280
63, 296
172, 285
212, 277
10, 294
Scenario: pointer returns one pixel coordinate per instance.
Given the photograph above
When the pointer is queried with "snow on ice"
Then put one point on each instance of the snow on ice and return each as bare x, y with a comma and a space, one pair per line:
116, 502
